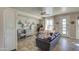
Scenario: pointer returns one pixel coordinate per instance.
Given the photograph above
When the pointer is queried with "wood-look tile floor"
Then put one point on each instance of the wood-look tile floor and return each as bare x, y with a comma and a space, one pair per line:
27, 44
67, 44
64, 44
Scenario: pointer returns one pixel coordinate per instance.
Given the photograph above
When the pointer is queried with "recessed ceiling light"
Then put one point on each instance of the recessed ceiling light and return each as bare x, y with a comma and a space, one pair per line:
64, 8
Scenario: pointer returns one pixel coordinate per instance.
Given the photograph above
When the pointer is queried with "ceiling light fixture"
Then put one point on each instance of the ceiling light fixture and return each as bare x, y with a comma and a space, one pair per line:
46, 12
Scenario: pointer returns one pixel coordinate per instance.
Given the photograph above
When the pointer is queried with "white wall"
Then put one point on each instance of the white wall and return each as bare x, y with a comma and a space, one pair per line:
8, 31
9, 28
1, 29
27, 18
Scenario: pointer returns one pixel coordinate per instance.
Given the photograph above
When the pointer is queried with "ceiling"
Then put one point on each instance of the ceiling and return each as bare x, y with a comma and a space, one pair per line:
31, 10
62, 10
56, 10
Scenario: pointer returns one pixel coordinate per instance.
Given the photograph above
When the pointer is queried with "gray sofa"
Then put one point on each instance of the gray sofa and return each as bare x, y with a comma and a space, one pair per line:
45, 45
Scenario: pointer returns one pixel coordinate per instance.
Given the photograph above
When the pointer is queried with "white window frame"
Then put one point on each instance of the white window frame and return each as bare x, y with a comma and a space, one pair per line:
64, 27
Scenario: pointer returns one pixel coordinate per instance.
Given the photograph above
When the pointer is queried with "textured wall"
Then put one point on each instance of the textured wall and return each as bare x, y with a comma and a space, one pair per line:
72, 27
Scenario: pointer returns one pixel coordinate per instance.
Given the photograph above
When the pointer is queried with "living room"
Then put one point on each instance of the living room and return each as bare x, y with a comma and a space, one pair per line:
18, 28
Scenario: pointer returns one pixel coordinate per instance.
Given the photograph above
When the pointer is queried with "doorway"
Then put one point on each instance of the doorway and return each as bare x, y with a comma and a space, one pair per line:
64, 28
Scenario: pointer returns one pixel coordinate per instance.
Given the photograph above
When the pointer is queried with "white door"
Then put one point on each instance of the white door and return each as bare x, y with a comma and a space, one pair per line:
77, 28
64, 22
9, 29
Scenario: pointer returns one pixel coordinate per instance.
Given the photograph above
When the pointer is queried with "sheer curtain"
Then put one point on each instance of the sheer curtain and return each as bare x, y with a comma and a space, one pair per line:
49, 24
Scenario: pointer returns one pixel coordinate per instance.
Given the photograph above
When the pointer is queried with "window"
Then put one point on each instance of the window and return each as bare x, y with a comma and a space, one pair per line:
78, 21
49, 24
78, 25
63, 26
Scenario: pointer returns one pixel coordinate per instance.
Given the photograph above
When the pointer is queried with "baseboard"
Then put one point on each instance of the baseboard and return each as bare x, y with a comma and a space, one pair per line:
13, 50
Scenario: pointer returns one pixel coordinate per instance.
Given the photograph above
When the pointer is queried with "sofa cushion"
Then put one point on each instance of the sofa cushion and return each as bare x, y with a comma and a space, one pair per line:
49, 39
57, 33
53, 37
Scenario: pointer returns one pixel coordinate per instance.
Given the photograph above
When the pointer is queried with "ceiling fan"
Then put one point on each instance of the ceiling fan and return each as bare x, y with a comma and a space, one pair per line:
46, 12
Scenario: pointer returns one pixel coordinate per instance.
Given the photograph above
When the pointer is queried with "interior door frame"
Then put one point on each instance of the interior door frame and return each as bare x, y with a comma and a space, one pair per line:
77, 37
67, 21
